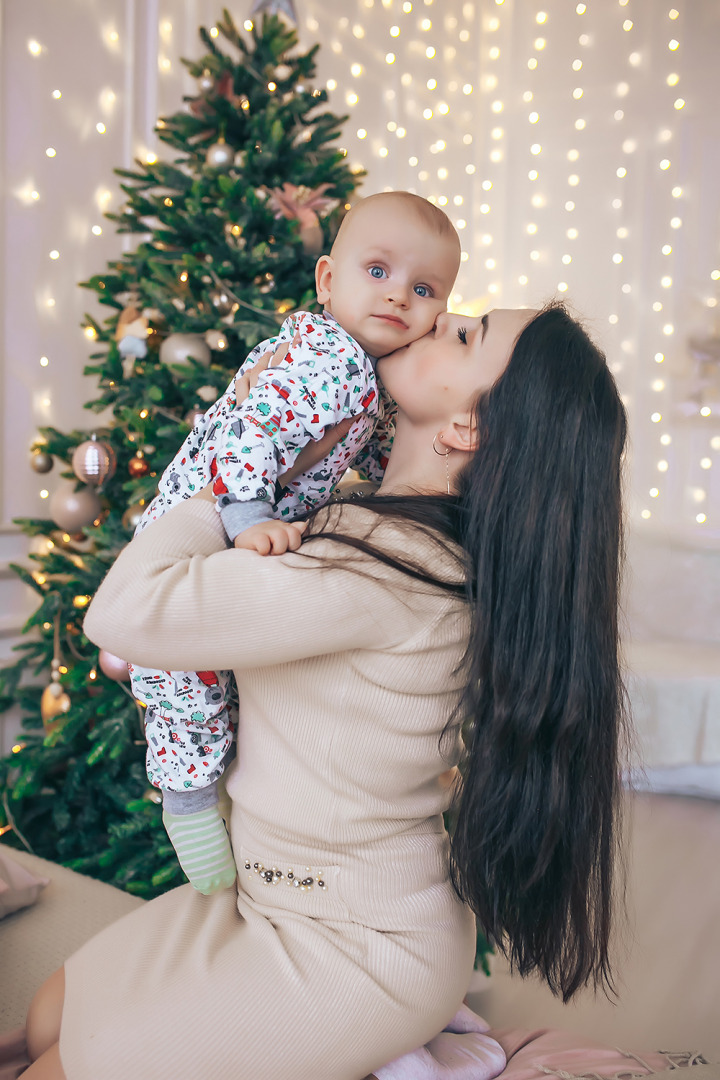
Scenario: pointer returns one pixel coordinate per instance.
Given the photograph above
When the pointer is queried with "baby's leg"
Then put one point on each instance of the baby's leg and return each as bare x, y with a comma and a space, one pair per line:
189, 730
198, 834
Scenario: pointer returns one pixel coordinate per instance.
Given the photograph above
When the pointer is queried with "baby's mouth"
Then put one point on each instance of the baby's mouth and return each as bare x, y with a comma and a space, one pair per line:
393, 320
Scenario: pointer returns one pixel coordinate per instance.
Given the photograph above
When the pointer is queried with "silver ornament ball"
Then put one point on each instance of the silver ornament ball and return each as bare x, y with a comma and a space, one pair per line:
206, 82
220, 156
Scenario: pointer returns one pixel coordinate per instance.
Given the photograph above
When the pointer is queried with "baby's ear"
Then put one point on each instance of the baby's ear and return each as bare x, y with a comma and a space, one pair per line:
323, 278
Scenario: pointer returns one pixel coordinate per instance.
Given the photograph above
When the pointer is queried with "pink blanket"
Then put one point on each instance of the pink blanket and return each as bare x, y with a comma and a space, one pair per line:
531, 1055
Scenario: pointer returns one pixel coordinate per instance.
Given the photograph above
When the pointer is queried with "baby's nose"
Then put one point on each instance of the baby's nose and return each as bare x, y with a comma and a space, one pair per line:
398, 293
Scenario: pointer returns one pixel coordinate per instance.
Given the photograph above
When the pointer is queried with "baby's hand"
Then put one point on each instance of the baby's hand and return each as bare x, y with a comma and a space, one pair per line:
272, 537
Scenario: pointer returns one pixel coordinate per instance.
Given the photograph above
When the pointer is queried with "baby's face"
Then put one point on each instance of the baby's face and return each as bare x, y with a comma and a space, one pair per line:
388, 279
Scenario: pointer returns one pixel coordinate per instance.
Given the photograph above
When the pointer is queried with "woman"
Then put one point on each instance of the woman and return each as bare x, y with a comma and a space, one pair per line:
479, 589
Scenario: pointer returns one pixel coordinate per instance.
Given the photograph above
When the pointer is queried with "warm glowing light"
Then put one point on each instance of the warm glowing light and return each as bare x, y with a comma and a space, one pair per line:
665, 164
656, 417
51, 152
81, 601
361, 133
430, 52
654, 492
536, 148
662, 466
675, 222
351, 99
673, 79
627, 25
97, 230
706, 463
150, 158
679, 103
390, 58
668, 329
706, 410
90, 333
621, 172
356, 69
701, 518
666, 282
673, 45
666, 249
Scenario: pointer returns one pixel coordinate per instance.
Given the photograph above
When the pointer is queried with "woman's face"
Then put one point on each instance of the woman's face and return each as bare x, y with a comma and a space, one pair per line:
444, 372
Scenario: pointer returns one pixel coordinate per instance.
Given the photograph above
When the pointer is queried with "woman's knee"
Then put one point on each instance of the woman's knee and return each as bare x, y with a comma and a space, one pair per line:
45, 1014
47, 1067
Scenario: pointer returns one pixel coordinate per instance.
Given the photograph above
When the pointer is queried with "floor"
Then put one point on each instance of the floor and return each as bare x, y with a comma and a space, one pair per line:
670, 973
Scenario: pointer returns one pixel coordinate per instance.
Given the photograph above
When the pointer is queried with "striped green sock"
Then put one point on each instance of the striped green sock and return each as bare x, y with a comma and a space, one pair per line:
203, 848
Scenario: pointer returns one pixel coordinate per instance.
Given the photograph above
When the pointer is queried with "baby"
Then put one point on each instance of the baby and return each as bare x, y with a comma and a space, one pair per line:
387, 278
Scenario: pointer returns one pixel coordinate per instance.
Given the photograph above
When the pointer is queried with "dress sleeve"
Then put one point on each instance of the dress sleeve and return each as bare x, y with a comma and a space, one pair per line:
178, 599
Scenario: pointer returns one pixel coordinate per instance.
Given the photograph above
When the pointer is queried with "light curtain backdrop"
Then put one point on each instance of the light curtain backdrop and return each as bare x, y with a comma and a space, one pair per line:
575, 146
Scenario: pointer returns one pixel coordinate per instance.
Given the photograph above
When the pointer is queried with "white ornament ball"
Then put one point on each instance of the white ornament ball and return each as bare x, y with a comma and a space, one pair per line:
176, 349
71, 509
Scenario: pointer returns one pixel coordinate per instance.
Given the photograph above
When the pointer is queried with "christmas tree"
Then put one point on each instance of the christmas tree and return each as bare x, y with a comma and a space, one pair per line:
229, 228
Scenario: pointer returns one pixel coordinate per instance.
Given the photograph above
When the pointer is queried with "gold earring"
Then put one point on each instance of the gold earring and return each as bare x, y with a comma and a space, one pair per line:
446, 455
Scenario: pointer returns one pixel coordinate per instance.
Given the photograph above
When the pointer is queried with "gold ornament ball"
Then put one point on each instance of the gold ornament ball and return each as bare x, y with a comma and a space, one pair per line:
113, 666
40, 462
53, 706
93, 462
220, 300
72, 510
138, 467
131, 517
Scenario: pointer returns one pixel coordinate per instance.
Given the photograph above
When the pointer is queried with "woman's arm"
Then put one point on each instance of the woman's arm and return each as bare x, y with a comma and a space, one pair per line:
178, 599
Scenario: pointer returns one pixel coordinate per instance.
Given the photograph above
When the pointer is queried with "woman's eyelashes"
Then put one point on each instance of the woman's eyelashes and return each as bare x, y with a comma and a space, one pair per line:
462, 334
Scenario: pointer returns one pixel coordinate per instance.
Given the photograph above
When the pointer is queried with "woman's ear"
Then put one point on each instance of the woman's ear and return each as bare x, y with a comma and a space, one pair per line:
323, 278
461, 434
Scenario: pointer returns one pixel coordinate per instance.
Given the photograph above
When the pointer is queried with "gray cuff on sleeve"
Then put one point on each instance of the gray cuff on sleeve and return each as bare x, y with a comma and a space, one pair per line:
239, 516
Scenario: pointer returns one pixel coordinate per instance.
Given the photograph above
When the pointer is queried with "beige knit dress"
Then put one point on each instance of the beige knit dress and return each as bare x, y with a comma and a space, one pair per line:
346, 680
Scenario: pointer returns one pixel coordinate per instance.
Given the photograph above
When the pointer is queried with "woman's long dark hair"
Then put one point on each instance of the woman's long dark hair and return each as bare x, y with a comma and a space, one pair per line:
534, 844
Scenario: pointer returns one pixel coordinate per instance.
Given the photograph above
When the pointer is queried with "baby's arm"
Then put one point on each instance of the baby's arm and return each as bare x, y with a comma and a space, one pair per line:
323, 380
272, 537
372, 460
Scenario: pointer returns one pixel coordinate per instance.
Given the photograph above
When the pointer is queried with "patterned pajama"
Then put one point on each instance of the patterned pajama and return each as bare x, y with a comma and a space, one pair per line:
243, 448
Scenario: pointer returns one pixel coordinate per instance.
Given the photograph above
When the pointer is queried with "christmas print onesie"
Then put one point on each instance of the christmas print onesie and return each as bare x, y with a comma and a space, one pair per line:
243, 448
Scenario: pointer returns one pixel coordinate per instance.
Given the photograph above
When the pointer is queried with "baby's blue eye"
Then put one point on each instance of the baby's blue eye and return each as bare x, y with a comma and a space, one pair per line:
377, 272
423, 290
462, 334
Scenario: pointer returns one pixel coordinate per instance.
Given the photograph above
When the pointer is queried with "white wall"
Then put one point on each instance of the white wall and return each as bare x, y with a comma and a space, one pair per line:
596, 99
